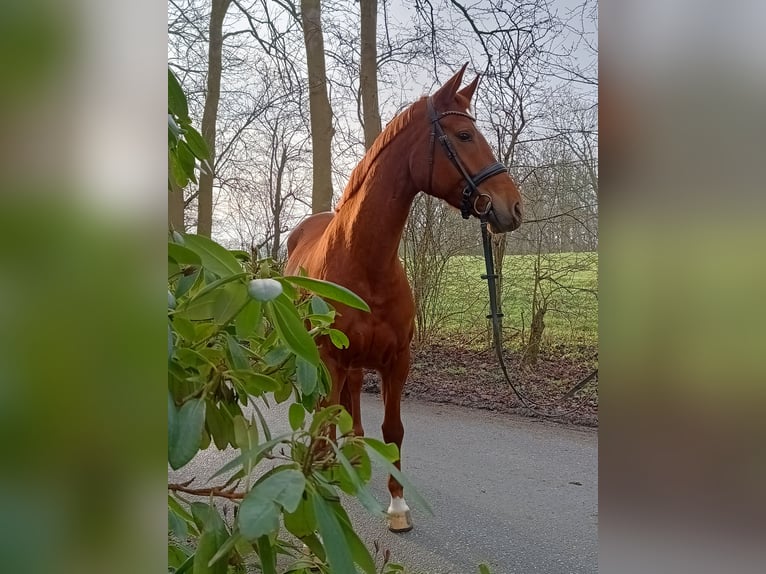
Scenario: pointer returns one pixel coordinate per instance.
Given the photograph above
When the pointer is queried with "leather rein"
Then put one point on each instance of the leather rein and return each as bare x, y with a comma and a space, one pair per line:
472, 190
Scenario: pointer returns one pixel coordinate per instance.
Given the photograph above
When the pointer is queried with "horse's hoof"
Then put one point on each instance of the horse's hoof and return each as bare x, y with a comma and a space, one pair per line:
400, 522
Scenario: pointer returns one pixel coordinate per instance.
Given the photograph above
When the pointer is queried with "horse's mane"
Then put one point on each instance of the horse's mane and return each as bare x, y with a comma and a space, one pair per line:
392, 129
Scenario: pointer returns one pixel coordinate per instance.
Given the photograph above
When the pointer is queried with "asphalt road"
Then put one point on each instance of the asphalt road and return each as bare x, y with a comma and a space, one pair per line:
516, 493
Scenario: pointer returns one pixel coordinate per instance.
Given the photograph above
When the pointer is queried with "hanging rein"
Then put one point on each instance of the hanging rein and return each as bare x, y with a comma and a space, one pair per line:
472, 190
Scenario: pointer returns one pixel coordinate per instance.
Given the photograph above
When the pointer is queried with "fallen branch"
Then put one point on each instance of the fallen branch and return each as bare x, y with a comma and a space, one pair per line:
231, 494
581, 384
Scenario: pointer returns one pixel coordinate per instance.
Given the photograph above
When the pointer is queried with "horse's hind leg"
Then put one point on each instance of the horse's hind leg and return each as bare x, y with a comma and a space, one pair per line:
350, 398
392, 384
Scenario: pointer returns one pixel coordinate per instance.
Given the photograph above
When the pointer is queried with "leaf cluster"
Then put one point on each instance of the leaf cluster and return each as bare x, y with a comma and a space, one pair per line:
240, 339
187, 150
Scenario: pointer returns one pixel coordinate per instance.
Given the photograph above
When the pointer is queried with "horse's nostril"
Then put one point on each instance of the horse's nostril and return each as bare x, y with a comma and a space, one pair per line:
517, 211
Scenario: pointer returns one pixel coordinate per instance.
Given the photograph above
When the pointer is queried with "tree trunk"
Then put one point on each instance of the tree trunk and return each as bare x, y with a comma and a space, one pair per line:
368, 72
319, 106
210, 114
537, 326
532, 352
175, 205
278, 205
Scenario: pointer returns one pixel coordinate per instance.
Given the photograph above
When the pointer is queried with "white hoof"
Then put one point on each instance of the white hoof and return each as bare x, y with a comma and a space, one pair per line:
399, 517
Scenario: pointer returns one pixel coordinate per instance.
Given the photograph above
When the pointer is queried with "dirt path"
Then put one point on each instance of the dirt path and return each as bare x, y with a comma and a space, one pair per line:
454, 375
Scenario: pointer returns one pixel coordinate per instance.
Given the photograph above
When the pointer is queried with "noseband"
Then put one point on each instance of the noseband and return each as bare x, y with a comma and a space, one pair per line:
472, 182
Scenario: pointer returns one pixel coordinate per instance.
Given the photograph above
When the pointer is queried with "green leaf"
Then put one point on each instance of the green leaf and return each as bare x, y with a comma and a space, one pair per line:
319, 307
296, 415
256, 383
283, 393
302, 522
183, 255
291, 329
345, 422
175, 132
389, 451
219, 425
184, 328
409, 488
356, 452
330, 290
219, 305
325, 379
186, 282
338, 338
204, 443
215, 258
250, 456
214, 535
186, 160
183, 568
259, 513
309, 402
232, 298
179, 510
248, 319
306, 375
267, 555
176, 556
359, 552
185, 427
240, 254
176, 98
179, 175
333, 536
262, 419
242, 436
315, 545
484, 569
361, 491
285, 487
236, 354
276, 356
225, 548
177, 526
197, 143
326, 415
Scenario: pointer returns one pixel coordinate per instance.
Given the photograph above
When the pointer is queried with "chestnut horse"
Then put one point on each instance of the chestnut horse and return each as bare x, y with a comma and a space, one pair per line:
433, 146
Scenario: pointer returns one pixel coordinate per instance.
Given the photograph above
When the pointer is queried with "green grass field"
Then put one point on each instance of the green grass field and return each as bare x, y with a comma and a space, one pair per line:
572, 317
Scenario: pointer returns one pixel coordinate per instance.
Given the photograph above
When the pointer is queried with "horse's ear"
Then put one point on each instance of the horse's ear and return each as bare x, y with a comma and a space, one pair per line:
468, 91
447, 92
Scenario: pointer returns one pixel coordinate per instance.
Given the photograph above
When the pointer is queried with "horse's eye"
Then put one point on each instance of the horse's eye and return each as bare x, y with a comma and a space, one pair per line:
464, 136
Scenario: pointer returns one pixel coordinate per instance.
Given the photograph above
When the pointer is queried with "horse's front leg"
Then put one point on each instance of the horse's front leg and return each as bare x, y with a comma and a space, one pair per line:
392, 385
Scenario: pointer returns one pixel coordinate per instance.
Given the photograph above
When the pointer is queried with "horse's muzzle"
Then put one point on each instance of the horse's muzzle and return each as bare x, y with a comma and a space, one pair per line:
501, 221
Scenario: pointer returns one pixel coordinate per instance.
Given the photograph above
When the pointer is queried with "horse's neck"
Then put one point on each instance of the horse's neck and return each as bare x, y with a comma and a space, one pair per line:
371, 222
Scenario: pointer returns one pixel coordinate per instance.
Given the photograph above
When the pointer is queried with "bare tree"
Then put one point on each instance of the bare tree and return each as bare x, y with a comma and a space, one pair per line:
369, 71
210, 115
319, 106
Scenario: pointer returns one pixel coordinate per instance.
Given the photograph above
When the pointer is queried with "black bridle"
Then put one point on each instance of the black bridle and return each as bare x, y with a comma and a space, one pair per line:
472, 189
472, 182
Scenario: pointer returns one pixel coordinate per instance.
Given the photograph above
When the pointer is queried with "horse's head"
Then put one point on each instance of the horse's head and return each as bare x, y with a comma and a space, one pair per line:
455, 163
